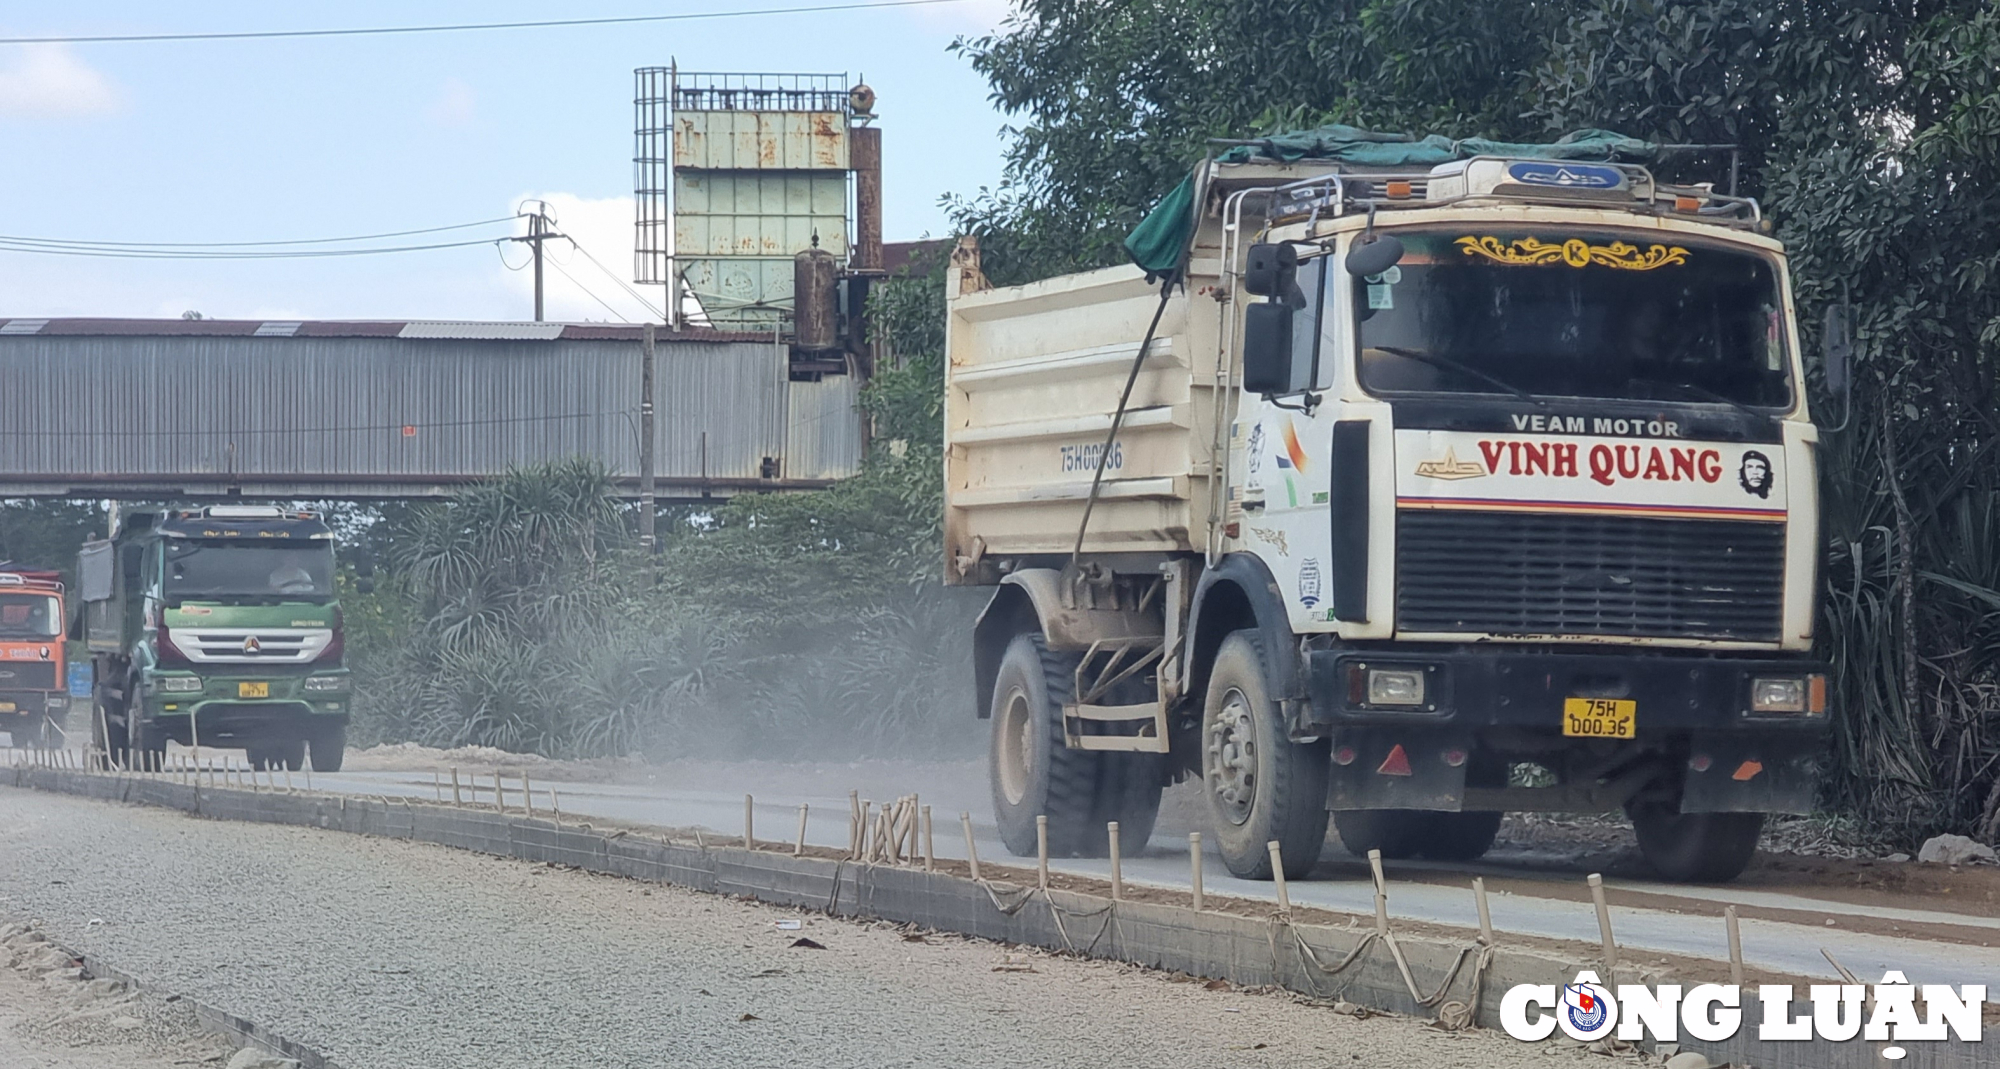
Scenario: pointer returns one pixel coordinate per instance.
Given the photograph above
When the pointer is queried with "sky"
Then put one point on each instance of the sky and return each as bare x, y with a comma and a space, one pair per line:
258, 140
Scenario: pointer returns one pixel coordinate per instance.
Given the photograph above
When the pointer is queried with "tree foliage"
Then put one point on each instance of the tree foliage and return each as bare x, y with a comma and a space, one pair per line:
1870, 131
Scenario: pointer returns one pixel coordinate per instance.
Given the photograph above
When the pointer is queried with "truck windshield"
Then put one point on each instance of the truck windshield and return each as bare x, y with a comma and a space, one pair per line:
240, 571
1574, 314
30, 616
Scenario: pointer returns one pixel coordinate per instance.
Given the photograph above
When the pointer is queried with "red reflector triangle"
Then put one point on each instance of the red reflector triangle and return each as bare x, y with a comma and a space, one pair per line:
1396, 764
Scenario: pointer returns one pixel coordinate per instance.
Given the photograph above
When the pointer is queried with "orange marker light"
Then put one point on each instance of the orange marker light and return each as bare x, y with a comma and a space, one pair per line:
1816, 693
1686, 204
1398, 190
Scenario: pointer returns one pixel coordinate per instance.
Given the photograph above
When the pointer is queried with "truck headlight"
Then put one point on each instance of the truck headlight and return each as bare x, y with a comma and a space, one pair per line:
321, 684
1395, 686
180, 684
1788, 694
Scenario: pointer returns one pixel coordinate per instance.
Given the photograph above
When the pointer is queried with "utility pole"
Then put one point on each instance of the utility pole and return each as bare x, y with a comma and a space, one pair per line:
538, 234
648, 502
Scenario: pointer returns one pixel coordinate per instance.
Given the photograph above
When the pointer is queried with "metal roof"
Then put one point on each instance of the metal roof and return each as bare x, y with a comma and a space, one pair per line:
360, 328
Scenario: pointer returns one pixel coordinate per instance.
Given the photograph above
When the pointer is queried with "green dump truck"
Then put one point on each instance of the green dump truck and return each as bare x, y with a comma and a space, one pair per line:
216, 627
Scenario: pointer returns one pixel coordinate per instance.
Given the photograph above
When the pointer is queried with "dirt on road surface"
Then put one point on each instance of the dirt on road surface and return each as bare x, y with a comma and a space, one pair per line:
52, 1017
387, 955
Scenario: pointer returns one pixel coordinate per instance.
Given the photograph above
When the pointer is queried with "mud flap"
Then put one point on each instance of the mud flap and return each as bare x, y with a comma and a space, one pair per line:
1736, 773
1392, 768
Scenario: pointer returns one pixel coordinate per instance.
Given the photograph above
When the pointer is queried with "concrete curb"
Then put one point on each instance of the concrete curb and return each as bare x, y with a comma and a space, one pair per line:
1244, 950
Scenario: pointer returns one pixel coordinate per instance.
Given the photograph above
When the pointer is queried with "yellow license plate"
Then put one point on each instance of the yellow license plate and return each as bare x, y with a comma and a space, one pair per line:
6, 707
263, 690
1600, 718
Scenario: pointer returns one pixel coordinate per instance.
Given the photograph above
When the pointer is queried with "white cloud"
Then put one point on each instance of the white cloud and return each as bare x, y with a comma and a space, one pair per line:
49, 82
604, 228
455, 104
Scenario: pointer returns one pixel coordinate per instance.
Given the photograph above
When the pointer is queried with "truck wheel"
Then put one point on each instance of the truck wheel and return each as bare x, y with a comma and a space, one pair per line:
1696, 847
1458, 836
291, 753
328, 743
145, 742
1398, 833
1261, 786
1033, 773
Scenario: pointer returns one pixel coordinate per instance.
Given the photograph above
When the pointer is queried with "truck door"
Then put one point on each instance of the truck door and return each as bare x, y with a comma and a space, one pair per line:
1287, 454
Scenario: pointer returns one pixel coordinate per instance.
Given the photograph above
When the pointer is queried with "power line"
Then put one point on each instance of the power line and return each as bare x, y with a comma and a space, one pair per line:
587, 291
244, 244
608, 273
540, 24
7, 245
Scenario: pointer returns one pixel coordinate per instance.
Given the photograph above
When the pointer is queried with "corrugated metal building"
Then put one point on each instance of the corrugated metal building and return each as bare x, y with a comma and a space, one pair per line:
177, 408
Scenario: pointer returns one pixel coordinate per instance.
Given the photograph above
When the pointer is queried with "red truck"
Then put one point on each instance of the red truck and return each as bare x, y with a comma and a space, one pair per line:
34, 695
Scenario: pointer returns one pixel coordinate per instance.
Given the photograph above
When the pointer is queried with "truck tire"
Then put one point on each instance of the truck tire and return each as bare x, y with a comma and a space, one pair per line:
1398, 833
1033, 773
145, 741
291, 754
328, 745
1261, 786
1458, 836
1696, 847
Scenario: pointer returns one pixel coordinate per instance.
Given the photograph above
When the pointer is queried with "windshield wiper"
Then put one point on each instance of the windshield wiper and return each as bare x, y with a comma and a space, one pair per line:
1702, 392
1449, 364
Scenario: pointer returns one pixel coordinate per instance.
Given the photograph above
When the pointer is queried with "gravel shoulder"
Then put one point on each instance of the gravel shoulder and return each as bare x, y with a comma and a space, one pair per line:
390, 954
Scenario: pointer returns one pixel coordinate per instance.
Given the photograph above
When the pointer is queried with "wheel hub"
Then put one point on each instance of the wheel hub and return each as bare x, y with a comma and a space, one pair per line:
1014, 747
1231, 755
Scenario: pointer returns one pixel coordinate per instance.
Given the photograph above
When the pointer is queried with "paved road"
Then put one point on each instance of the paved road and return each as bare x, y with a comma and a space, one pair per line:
394, 955
1789, 948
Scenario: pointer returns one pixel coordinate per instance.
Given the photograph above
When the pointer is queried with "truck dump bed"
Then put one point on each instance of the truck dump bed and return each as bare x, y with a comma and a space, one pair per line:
1033, 377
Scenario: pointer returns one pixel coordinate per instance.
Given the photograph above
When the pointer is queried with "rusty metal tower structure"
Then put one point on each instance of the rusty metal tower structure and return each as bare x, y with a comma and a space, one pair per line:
737, 175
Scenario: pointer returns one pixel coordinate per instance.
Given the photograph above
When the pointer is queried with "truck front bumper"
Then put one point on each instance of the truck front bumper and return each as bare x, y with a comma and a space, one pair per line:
229, 707
1674, 690
1696, 741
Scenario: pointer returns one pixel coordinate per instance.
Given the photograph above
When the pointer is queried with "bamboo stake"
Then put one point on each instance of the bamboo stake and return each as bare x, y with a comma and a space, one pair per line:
1117, 868
456, 798
1485, 918
437, 783
854, 824
1278, 876
1735, 946
1042, 850
799, 847
288, 782
1596, 882
499, 798
527, 797
1194, 866
1381, 891
930, 853
971, 849
867, 832
553, 808
749, 823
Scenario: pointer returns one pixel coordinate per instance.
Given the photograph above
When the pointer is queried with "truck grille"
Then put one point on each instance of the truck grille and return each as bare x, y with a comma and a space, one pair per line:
27, 675
1515, 573
235, 645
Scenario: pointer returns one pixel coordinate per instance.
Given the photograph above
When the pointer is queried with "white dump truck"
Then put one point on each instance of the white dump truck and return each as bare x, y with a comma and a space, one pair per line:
1413, 496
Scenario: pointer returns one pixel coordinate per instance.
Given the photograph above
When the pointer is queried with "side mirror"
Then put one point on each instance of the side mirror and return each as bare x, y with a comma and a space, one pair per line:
1267, 349
1837, 347
1373, 255
364, 586
1270, 270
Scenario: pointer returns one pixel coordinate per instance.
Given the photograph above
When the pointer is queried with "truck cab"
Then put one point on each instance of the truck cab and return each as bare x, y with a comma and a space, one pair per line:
217, 627
34, 695
1438, 494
